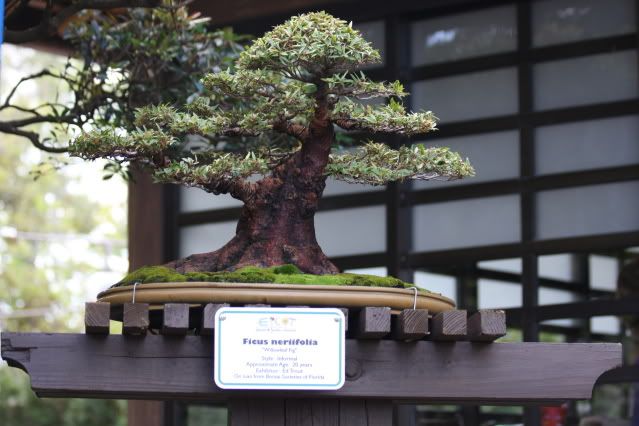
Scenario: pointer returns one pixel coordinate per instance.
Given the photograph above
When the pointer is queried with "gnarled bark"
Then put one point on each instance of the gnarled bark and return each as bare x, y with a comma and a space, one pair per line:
276, 225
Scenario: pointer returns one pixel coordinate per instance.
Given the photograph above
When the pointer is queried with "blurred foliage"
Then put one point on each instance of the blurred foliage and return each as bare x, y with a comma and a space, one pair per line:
19, 406
44, 252
202, 415
123, 59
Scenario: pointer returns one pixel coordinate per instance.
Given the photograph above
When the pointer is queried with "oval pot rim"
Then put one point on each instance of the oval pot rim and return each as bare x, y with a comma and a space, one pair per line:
277, 294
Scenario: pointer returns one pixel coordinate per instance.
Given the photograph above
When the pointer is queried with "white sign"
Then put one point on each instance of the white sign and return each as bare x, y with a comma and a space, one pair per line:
279, 348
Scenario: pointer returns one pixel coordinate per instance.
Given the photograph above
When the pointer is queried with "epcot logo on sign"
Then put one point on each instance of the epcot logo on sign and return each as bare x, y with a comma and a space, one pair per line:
276, 323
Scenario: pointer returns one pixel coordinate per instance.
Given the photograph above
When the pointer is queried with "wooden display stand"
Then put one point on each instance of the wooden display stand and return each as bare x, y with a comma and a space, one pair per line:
391, 358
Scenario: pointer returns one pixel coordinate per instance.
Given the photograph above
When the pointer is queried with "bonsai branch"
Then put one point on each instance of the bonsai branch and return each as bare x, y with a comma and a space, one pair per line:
33, 137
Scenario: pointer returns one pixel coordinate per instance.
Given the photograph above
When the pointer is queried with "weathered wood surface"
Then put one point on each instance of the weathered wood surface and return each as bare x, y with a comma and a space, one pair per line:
486, 326
97, 317
366, 323
411, 324
157, 367
136, 318
256, 412
316, 412
175, 319
373, 323
309, 411
449, 325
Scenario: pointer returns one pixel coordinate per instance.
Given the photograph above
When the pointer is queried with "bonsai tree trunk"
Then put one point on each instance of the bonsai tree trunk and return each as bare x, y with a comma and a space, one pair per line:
276, 225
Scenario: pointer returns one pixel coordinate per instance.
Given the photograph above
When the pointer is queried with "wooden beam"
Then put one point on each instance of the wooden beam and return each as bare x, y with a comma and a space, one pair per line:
157, 367
135, 318
97, 317
373, 323
411, 324
486, 325
175, 318
449, 325
316, 412
256, 412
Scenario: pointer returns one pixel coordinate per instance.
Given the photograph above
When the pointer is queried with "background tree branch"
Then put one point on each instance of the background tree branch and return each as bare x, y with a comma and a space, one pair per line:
52, 21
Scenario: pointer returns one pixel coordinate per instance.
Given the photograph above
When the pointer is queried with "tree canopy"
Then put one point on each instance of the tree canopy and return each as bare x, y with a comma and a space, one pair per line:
302, 71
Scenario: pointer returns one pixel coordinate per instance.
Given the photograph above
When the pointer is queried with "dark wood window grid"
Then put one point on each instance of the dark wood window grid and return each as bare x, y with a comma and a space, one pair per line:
399, 199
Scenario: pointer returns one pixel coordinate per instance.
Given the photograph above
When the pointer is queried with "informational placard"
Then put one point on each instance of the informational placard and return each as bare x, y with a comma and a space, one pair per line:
279, 348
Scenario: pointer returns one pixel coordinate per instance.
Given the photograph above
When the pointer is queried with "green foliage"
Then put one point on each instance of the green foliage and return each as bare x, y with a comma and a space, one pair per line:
377, 164
357, 85
391, 118
19, 406
159, 54
137, 145
122, 60
283, 274
309, 45
219, 168
279, 85
42, 223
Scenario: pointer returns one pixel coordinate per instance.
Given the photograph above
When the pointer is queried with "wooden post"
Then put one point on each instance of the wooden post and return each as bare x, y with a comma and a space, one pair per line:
146, 241
411, 324
175, 318
486, 326
449, 325
373, 323
316, 412
135, 318
97, 317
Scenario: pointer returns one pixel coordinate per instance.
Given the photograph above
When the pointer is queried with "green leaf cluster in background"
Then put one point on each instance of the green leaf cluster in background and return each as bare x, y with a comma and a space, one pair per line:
122, 59
44, 224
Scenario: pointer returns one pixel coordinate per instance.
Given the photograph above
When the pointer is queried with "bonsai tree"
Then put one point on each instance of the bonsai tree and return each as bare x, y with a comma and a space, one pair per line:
287, 95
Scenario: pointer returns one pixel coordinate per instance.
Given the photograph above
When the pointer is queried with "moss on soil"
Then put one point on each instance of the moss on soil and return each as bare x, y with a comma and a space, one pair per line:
283, 274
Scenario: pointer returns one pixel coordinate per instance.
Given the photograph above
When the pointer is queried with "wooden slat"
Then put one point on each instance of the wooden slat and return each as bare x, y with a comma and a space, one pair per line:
486, 325
360, 412
299, 412
208, 317
411, 324
135, 318
175, 318
97, 317
373, 323
449, 325
324, 412
379, 413
156, 367
353, 412
256, 412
